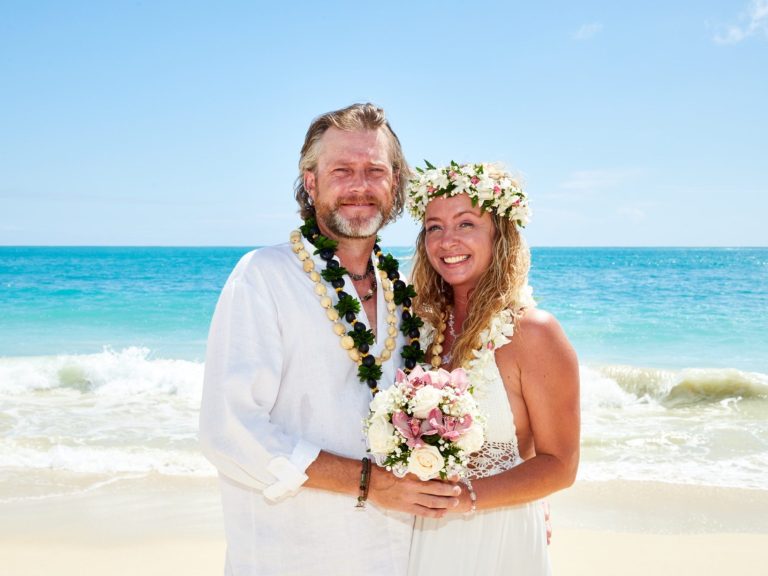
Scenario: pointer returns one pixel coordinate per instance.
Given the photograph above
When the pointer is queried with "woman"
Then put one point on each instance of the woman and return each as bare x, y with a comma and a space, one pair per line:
470, 273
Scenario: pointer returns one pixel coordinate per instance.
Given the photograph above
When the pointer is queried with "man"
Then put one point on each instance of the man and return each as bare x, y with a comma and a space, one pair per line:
283, 402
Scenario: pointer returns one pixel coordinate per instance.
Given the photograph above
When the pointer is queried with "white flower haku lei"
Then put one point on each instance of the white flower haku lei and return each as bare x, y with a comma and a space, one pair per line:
488, 185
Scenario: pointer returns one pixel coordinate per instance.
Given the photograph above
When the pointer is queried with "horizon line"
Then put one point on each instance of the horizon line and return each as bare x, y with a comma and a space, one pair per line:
254, 246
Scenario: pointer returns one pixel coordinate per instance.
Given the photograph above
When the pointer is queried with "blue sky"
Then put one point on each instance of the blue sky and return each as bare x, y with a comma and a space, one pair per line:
179, 123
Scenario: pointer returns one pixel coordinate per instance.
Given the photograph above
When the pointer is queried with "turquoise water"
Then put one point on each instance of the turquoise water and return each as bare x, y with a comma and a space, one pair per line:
101, 361
661, 307
655, 307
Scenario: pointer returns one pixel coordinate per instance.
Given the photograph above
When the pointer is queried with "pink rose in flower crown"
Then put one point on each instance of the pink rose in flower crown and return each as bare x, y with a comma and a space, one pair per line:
427, 423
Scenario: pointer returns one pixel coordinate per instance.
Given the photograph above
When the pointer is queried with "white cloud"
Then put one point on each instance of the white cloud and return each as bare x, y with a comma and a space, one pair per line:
587, 31
593, 180
755, 24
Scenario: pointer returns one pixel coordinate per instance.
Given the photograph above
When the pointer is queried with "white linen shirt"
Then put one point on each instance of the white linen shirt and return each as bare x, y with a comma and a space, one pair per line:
278, 389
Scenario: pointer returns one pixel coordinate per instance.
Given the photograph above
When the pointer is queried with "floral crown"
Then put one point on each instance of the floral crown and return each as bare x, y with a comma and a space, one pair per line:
488, 185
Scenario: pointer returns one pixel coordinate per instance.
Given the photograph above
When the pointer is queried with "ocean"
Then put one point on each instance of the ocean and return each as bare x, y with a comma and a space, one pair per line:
102, 349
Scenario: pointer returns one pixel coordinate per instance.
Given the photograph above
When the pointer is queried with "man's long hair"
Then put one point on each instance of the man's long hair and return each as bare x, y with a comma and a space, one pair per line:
351, 118
499, 288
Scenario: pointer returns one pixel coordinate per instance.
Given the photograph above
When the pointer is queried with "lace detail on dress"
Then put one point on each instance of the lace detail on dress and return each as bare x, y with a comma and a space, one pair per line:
494, 458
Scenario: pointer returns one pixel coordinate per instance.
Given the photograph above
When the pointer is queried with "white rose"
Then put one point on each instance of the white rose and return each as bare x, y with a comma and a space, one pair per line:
381, 436
382, 403
472, 439
426, 462
425, 399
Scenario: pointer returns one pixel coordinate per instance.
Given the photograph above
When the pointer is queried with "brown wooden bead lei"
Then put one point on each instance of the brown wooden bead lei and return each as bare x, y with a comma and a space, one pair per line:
357, 353
438, 359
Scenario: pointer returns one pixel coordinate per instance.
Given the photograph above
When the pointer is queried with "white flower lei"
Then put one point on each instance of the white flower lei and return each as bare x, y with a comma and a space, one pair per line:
481, 369
488, 185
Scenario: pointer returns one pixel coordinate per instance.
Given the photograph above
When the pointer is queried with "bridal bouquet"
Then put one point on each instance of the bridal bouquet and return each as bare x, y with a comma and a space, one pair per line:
427, 424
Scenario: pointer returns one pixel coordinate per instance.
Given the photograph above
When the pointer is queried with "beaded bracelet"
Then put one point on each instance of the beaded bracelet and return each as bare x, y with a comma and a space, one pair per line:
472, 496
365, 479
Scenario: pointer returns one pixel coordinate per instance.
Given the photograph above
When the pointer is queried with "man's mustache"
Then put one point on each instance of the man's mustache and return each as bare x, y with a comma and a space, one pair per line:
358, 199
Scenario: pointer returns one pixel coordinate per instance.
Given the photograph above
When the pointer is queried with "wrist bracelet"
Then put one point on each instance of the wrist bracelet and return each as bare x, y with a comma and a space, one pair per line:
365, 480
472, 496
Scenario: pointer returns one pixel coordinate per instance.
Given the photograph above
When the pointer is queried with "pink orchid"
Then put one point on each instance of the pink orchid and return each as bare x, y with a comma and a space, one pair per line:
417, 372
448, 427
416, 379
496, 190
459, 380
438, 379
412, 428
412, 381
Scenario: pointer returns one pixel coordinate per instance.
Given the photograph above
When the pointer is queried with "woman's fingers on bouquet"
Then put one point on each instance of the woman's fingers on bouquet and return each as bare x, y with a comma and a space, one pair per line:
435, 498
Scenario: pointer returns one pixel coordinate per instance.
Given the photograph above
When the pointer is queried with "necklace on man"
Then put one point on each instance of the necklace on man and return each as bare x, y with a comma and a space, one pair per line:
359, 339
368, 274
368, 271
371, 291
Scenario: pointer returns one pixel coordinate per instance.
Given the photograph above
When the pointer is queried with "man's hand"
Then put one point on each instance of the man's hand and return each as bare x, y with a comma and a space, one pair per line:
432, 499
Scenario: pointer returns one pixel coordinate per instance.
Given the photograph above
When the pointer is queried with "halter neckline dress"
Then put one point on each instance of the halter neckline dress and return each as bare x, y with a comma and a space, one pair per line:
510, 540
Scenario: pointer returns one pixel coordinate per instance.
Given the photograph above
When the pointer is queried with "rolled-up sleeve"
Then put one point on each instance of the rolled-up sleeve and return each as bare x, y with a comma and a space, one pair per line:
242, 380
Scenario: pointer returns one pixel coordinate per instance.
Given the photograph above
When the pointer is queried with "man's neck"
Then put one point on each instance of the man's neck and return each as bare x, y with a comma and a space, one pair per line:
353, 253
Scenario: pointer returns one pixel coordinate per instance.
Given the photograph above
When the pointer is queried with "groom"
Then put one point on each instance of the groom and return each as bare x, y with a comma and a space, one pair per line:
283, 401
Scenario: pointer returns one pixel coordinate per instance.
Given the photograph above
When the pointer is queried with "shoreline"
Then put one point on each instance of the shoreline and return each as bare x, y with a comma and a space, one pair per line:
161, 525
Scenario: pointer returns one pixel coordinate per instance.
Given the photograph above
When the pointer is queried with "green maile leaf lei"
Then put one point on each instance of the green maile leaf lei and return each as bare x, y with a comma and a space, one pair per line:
369, 372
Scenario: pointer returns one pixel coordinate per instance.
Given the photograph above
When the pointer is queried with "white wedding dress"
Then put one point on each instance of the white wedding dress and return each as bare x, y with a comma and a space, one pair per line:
510, 540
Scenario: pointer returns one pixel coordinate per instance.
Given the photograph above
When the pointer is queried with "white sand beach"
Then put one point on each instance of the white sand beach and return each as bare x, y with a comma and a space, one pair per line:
158, 526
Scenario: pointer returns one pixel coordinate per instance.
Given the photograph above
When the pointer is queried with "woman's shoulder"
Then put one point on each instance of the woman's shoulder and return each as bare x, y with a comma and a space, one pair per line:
537, 332
537, 321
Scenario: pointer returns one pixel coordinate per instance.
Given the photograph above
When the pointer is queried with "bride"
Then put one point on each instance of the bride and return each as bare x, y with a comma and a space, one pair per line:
471, 276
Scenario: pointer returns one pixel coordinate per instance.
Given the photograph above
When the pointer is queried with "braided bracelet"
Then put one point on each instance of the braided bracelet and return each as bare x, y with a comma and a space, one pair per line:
365, 479
472, 496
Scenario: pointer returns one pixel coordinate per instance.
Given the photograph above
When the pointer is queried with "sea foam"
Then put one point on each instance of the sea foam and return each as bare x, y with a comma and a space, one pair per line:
131, 371
127, 412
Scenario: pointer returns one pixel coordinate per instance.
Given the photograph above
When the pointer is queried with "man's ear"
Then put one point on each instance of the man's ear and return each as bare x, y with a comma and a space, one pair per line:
309, 184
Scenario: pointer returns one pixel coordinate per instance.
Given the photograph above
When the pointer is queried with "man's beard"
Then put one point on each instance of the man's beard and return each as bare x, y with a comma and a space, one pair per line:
357, 227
